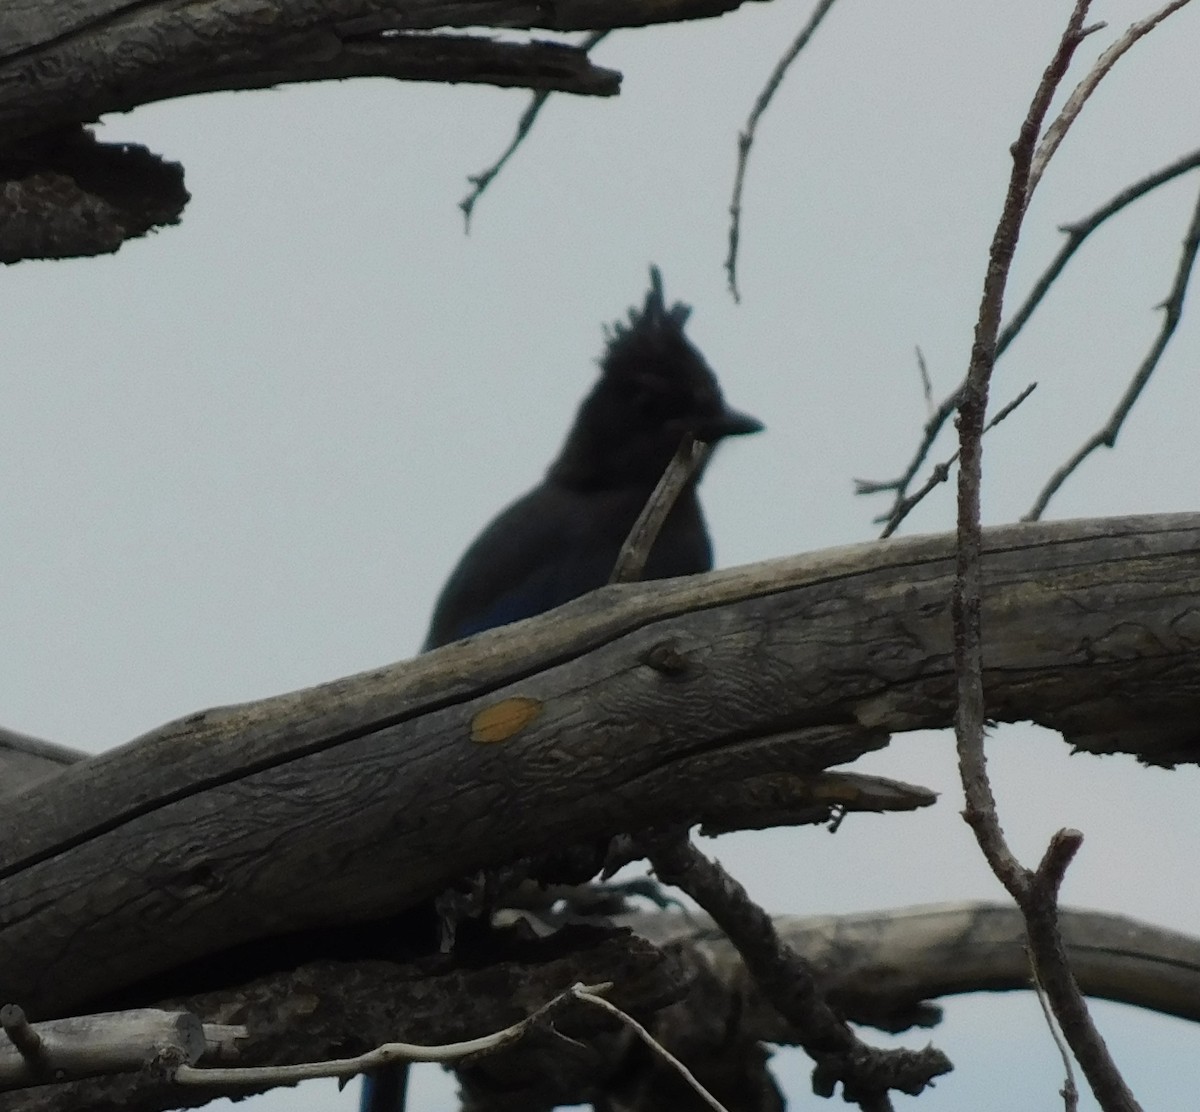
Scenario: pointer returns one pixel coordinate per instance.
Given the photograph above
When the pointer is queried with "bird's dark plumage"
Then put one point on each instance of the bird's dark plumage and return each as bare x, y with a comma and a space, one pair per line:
561, 540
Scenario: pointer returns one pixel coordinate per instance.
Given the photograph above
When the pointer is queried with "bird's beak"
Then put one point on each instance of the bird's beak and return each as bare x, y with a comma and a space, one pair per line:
729, 423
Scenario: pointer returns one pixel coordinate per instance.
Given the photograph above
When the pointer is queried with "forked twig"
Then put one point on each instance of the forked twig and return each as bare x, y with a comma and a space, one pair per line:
385, 1055
1057, 131
1077, 233
1035, 893
788, 981
941, 471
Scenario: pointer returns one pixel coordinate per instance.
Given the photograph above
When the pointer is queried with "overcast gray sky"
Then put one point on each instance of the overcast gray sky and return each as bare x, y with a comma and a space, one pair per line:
240, 456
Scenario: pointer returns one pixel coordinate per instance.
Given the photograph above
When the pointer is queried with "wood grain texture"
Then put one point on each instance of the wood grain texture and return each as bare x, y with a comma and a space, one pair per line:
64, 65
364, 796
71, 62
883, 968
880, 967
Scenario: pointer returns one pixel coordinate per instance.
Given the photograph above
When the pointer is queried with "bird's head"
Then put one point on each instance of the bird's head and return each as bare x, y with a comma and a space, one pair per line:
654, 389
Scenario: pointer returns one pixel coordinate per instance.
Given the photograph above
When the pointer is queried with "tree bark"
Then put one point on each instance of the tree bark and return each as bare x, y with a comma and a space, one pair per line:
67, 63
880, 968
636, 706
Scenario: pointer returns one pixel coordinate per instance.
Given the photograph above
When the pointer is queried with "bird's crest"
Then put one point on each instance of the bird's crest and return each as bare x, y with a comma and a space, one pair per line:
654, 332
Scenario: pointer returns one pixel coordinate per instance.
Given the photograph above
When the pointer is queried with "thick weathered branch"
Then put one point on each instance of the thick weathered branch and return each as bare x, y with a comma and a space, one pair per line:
368, 795
335, 1008
67, 63
113, 1042
881, 968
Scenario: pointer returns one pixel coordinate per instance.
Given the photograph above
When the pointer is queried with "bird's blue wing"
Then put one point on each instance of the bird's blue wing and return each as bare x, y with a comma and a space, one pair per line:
547, 548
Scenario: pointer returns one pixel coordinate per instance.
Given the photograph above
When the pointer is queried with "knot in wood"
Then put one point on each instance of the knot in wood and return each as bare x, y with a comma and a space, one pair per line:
667, 658
197, 880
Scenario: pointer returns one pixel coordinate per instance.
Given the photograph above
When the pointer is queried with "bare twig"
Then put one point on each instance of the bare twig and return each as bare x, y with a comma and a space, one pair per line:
926, 382
480, 182
941, 471
746, 138
867, 1074
1077, 233
388, 1054
581, 993
631, 560
1070, 1090
1070, 111
1106, 436
1035, 893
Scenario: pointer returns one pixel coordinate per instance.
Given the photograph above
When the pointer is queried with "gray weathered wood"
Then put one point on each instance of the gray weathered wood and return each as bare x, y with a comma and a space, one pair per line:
877, 966
112, 1042
66, 63
73, 60
24, 760
363, 796
880, 967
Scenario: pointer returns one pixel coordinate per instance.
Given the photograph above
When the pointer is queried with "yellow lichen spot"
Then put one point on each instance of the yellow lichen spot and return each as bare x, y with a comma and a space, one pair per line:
505, 719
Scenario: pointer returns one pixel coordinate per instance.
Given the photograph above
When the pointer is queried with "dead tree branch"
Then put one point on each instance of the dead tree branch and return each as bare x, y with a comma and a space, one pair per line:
63, 66
640, 705
112, 1042
940, 473
880, 968
483, 179
1057, 131
25, 759
746, 138
1077, 234
1106, 436
867, 1074
1035, 893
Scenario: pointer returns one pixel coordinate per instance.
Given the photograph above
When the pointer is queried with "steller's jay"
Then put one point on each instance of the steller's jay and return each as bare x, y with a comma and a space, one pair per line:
561, 540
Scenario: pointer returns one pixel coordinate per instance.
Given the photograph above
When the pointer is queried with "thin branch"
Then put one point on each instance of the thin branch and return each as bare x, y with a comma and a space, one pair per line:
1057, 131
1077, 233
385, 1055
1070, 1090
579, 992
480, 182
967, 591
746, 138
689, 457
1106, 436
926, 382
1035, 893
941, 472
867, 1074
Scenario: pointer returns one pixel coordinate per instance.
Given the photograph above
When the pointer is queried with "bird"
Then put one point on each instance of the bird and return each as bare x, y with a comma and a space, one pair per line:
561, 539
